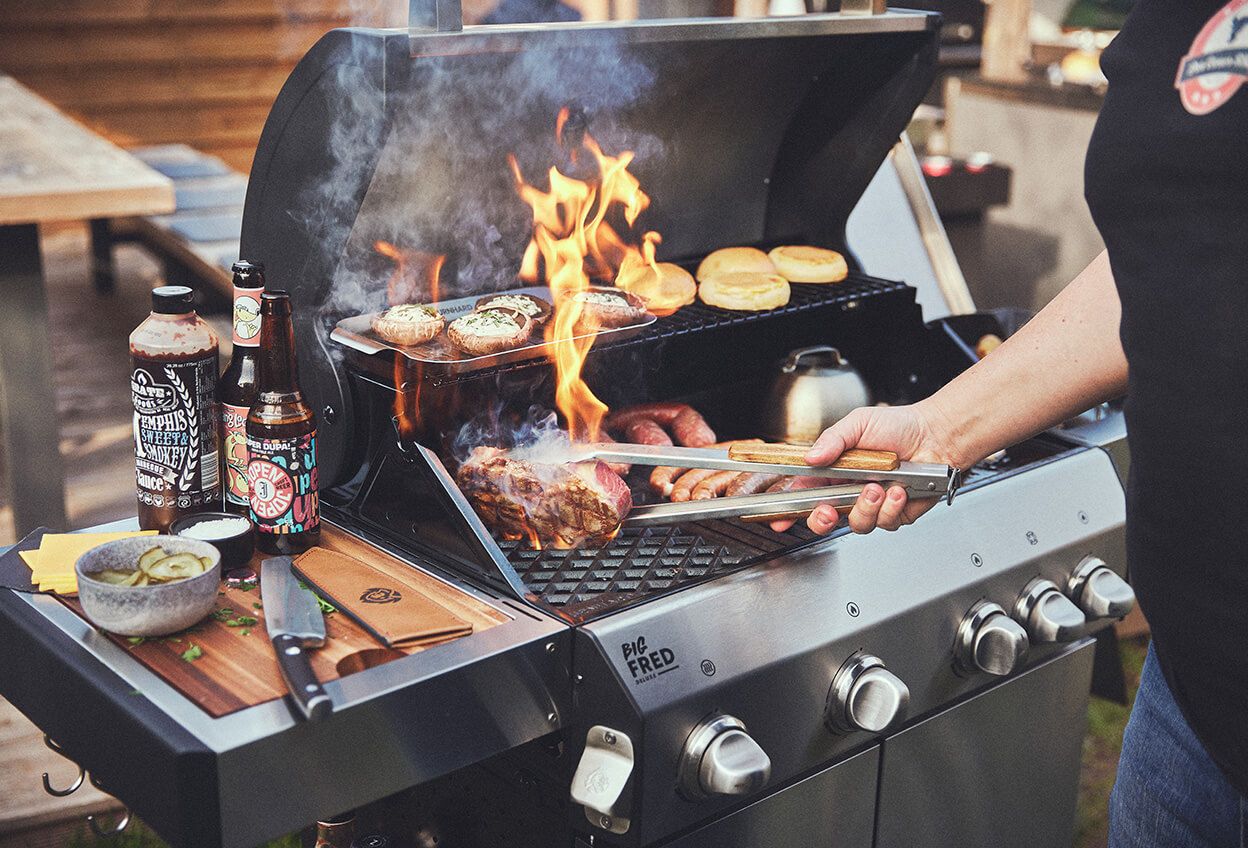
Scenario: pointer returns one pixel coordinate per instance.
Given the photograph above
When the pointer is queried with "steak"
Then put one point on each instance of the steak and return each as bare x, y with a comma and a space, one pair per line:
564, 504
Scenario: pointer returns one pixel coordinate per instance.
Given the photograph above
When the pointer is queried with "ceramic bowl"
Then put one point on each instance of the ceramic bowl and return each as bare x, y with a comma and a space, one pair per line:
146, 610
236, 548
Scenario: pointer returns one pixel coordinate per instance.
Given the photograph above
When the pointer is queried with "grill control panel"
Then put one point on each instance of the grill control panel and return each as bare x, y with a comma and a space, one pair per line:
721, 758
1048, 615
991, 642
866, 696
1098, 591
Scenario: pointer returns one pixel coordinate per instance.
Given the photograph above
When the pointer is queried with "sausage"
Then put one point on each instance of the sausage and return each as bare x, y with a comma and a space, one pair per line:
646, 431
660, 413
784, 484
691, 429
714, 486
663, 477
751, 483
683, 489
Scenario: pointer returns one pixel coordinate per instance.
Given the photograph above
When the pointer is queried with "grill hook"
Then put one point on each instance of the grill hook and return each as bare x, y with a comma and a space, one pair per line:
118, 826
47, 783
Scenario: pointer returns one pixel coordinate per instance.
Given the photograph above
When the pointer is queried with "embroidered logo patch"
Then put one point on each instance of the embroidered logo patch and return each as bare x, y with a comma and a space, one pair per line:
1217, 64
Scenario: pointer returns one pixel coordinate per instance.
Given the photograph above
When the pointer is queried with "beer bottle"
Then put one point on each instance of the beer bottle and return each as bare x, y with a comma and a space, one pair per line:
281, 441
237, 389
338, 832
173, 386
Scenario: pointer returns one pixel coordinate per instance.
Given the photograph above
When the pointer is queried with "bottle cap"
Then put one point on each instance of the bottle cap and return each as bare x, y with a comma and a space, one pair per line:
248, 275
172, 300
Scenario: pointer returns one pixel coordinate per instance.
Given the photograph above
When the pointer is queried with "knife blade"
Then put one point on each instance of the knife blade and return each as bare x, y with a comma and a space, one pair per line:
294, 621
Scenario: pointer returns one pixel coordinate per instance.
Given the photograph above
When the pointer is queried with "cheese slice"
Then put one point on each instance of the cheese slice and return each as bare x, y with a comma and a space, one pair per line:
58, 552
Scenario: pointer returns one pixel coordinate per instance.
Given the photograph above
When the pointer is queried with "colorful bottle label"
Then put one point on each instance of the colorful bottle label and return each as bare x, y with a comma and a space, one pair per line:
175, 432
247, 317
281, 484
234, 446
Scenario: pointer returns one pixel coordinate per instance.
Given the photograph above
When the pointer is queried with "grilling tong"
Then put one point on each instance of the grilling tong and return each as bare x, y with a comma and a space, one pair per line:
919, 479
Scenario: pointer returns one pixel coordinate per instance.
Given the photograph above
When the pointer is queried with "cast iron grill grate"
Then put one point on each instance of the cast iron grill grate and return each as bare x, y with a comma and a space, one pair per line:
698, 317
644, 561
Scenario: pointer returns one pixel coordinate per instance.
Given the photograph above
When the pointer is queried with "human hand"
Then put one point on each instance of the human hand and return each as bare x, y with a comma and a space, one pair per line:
913, 432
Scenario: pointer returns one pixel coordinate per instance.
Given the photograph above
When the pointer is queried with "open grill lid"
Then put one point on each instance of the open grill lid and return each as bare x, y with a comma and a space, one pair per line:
746, 132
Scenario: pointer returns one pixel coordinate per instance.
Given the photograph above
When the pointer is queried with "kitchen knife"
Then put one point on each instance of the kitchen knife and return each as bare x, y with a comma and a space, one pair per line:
294, 621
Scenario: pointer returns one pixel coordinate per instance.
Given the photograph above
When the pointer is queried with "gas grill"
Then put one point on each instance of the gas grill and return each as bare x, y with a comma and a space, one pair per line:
709, 683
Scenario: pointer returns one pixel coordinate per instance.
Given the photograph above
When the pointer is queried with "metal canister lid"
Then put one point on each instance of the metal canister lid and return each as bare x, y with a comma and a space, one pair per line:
172, 300
249, 275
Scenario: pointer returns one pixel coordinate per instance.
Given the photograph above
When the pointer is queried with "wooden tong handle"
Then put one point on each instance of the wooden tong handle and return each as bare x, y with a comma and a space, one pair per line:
856, 458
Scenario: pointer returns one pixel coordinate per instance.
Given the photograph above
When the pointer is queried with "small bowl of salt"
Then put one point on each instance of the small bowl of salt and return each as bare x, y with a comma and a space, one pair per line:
230, 534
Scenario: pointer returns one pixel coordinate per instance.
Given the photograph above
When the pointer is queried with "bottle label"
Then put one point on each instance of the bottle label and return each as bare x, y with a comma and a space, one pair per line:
281, 484
175, 432
247, 317
234, 446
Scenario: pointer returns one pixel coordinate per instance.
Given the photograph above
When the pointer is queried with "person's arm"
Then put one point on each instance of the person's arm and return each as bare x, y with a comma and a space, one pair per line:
1065, 360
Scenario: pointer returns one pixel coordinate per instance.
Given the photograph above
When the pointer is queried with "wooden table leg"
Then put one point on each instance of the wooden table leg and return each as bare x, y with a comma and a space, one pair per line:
36, 487
103, 273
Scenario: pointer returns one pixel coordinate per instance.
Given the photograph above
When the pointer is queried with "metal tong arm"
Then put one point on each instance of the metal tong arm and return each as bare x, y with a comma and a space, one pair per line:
763, 507
923, 479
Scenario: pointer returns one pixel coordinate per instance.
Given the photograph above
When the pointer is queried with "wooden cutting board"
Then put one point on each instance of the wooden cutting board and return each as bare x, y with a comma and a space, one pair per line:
236, 667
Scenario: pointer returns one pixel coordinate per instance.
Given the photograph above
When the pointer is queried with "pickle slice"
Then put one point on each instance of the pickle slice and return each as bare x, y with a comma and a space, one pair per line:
175, 567
151, 556
115, 577
207, 563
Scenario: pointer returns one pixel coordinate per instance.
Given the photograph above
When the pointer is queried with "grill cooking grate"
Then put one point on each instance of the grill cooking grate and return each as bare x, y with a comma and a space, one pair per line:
698, 317
644, 561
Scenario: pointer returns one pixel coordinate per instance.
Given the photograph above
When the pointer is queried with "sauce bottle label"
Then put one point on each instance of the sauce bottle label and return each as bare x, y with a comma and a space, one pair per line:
281, 484
175, 433
234, 446
246, 317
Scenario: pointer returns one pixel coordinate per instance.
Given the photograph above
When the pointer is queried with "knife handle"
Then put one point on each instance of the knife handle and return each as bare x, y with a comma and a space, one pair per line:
312, 700
855, 458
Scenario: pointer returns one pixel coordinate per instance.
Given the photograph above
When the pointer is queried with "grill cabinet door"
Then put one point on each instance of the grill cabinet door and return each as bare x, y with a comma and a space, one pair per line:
999, 769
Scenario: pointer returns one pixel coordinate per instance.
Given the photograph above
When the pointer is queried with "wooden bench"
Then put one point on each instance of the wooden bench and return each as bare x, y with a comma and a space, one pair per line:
198, 242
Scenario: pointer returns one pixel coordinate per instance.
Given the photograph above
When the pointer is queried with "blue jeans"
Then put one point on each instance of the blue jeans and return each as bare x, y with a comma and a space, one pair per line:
1169, 794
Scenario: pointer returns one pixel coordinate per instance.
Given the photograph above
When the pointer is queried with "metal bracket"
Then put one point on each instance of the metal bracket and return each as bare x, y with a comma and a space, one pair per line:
434, 15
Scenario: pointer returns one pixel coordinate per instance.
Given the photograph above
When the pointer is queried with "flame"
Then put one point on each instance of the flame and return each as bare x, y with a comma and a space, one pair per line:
574, 243
416, 278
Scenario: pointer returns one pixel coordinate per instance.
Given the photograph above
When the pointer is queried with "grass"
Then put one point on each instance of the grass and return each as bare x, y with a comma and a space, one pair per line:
138, 835
1101, 745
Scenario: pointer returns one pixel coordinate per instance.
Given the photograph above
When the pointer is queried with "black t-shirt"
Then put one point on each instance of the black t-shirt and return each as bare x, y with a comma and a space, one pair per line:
1167, 182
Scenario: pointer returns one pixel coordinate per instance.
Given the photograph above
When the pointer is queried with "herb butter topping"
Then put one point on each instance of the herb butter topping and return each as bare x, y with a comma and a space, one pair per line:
414, 312
607, 298
488, 322
524, 304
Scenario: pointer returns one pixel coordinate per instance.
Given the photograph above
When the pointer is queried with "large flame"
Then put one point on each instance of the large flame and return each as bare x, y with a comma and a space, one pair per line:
416, 278
574, 243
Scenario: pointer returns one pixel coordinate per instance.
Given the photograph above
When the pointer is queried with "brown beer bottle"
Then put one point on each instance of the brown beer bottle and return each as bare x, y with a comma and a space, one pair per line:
173, 386
281, 441
237, 389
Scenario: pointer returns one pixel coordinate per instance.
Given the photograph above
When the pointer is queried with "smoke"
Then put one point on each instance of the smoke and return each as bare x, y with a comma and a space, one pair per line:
534, 437
441, 184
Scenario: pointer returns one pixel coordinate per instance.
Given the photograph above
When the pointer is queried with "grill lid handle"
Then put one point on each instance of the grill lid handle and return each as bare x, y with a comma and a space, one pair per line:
436, 15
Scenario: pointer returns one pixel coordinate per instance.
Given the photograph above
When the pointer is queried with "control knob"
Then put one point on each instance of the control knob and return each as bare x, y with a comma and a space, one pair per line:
721, 758
990, 641
1048, 615
866, 696
1098, 591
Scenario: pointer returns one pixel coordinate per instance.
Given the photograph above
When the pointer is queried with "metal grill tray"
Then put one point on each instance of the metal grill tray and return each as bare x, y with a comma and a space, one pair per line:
440, 358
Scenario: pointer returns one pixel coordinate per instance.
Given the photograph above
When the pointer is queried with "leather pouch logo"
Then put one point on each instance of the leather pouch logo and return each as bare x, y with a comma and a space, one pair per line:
381, 596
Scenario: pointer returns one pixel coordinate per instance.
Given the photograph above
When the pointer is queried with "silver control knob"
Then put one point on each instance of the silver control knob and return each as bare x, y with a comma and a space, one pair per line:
866, 696
1098, 591
990, 641
1048, 615
721, 758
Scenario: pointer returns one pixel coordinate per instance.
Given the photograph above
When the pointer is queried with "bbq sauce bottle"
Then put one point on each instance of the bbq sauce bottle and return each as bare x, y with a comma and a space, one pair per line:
173, 386
237, 390
281, 441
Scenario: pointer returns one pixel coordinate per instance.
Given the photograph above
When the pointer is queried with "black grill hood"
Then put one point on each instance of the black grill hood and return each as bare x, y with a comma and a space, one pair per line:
746, 131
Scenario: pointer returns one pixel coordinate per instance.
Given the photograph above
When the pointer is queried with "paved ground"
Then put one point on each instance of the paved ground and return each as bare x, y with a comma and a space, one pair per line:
92, 391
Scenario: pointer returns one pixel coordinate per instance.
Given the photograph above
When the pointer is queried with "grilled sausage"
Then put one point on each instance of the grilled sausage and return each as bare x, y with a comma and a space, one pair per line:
683, 489
714, 486
661, 413
691, 430
646, 431
751, 483
664, 477
784, 484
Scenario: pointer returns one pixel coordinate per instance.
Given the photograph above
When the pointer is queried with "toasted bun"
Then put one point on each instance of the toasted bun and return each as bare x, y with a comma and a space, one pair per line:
728, 259
468, 334
804, 264
744, 291
664, 292
604, 308
409, 324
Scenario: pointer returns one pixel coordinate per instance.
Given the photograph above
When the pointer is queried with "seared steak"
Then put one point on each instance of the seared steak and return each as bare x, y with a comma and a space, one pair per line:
562, 503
